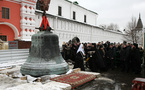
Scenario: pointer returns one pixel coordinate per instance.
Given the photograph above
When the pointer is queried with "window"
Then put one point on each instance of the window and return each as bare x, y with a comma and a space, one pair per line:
85, 18
59, 10
5, 13
3, 37
74, 15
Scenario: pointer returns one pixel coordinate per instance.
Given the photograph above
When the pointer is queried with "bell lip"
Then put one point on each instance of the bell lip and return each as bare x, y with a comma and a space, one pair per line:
36, 71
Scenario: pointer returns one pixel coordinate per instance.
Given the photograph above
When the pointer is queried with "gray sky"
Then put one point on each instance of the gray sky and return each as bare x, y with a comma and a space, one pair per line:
118, 12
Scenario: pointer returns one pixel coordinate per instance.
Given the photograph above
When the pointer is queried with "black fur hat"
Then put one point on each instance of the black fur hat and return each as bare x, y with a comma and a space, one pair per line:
136, 45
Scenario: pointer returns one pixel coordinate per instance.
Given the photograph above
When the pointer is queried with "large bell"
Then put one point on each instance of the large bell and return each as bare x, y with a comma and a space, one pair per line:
44, 56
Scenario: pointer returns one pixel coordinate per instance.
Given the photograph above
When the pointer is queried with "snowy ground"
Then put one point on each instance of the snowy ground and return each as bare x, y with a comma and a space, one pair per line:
11, 79
8, 83
11, 64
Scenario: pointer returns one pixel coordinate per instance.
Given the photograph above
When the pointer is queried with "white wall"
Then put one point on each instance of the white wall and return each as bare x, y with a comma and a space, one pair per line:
66, 29
67, 11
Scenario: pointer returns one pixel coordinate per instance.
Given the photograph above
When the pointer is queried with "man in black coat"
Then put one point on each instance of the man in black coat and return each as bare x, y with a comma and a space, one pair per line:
111, 56
92, 61
103, 56
74, 51
124, 57
96, 62
135, 59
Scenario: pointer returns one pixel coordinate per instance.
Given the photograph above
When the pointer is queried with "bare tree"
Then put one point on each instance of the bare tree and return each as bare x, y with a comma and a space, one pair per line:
131, 32
113, 27
110, 27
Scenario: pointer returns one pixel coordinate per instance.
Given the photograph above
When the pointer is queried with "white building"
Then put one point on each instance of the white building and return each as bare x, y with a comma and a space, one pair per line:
69, 20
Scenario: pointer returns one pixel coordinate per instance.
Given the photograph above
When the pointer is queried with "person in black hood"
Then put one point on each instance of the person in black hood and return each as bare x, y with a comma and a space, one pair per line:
111, 56
96, 62
102, 53
135, 59
92, 61
74, 50
124, 58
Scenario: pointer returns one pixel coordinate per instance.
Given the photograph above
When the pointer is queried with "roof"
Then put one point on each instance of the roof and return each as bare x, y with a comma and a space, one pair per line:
139, 23
75, 3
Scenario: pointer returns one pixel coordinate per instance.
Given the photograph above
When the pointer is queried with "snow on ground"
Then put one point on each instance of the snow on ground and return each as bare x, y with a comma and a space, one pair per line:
39, 86
10, 79
11, 64
6, 82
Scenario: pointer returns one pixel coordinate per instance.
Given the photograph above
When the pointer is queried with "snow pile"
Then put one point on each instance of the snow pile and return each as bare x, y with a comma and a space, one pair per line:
13, 69
39, 86
6, 82
106, 79
10, 79
70, 71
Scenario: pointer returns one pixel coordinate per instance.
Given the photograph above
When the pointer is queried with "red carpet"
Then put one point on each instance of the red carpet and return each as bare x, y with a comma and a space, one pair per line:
74, 79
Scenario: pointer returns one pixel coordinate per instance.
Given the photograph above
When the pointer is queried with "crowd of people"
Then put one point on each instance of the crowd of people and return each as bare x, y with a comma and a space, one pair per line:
103, 56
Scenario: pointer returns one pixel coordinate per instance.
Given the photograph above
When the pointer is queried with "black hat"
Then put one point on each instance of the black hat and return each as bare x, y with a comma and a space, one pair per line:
136, 45
111, 44
124, 42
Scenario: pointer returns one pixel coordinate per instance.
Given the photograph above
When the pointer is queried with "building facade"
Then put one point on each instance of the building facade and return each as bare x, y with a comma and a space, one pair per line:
19, 18
139, 31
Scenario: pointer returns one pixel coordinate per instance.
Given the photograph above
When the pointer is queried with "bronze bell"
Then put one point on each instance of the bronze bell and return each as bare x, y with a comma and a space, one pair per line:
44, 56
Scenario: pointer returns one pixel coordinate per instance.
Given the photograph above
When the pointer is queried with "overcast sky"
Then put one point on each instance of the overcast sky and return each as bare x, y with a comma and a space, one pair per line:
118, 12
